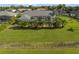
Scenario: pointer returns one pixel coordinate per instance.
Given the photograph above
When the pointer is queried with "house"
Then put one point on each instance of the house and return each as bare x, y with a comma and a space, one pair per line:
36, 14
5, 15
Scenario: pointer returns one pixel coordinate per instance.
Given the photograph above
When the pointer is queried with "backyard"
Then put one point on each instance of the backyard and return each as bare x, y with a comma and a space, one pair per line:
41, 40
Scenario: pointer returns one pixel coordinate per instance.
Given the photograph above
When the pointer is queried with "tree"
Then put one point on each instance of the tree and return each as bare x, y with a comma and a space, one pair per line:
21, 6
61, 6
18, 15
13, 7
30, 6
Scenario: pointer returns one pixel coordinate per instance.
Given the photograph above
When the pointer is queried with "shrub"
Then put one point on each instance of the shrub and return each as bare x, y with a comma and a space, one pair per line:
12, 20
58, 23
21, 23
3, 26
71, 29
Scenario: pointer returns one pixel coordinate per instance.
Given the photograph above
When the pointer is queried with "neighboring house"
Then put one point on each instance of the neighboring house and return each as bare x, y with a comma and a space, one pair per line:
36, 14
74, 14
60, 12
22, 10
12, 10
5, 15
41, 9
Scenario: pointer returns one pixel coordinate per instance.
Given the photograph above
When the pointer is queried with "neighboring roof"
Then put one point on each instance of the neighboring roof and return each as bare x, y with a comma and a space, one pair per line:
38, 13
7, 13
59, 11
74, 11
22, 9
41, 9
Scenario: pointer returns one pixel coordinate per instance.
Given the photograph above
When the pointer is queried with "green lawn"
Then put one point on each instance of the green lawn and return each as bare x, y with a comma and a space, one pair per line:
41, 51
70, 22
42, 37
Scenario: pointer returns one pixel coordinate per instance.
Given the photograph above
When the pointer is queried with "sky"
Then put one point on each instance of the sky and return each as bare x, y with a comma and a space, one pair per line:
37, 4
39, 1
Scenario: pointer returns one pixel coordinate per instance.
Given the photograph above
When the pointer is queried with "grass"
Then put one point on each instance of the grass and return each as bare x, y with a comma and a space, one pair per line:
41, 51
37, 37
71, 22
44, 35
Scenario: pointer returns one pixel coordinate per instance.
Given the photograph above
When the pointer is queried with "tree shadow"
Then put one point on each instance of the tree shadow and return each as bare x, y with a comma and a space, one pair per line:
31, 28
71, 30
23, 28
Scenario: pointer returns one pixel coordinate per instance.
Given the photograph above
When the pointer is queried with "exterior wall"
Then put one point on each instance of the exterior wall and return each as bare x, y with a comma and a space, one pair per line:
72, 15
41, 17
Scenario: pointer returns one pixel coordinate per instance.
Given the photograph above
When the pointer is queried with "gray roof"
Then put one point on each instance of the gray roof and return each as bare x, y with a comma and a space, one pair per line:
74, 11
38, 13
24, 17
28, 14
